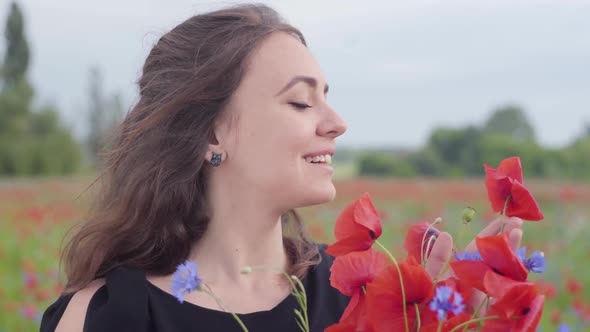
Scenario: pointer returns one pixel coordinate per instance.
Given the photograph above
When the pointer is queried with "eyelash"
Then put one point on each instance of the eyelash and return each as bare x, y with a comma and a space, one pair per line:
299, 106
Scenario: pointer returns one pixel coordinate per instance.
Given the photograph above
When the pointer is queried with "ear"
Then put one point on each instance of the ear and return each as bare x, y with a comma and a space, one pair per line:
215, 145
214, 149
220, 137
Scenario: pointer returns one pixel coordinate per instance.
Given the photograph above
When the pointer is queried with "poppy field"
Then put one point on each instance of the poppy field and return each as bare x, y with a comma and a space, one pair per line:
36, 214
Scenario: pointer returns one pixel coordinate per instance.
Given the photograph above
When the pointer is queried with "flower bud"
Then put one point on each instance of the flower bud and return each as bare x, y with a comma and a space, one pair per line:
468, 214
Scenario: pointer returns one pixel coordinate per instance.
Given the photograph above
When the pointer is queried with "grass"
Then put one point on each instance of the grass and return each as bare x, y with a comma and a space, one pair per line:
35, 214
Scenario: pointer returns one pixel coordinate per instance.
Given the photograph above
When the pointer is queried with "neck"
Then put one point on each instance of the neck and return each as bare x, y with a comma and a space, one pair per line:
240, 233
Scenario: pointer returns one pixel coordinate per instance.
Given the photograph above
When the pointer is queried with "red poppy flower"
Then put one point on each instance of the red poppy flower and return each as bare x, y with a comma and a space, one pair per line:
349, 274
507, 180
384, 296
517, 303
449, 324
416, 242
497, 256
357, 227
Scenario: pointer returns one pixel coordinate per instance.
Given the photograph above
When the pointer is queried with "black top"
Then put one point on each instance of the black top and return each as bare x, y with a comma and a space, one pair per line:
129, 302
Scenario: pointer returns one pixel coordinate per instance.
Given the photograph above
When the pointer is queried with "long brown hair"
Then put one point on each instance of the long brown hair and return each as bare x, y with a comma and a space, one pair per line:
150, 207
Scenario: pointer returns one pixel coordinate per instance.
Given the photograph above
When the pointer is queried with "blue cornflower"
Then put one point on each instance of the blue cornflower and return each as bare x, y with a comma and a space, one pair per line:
185, 280
468, 256
442, 302
563, 328
535, 263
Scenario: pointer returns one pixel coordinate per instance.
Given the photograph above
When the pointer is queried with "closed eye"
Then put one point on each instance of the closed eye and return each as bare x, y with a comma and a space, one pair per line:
299, 106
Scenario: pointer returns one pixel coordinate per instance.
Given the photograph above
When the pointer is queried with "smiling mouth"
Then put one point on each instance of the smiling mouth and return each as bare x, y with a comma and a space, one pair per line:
321, 159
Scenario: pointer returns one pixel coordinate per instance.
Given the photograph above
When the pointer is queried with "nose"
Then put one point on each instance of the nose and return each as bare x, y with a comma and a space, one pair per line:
332, 125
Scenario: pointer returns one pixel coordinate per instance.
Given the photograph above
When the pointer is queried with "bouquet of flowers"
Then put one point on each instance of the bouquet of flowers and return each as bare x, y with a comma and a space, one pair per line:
487, 290
482, 288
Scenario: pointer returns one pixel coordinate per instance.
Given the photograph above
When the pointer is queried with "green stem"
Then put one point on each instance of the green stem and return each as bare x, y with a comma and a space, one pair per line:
504, 213
401, 281
299, 293
486, 299
220, 303
417, 316
440, 325
471, 321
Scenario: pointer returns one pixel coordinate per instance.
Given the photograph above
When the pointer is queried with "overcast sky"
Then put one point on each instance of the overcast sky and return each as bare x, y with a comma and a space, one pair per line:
396, 69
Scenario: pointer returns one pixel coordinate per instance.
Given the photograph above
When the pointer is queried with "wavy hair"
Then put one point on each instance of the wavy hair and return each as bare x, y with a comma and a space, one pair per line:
150, 208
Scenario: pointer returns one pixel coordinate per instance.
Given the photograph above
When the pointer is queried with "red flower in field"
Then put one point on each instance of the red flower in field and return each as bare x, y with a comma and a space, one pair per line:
555, 316
357, 227
349, 274
507, 181
384, 296
43, 294
546, 288
497, 256
583, 311
29, 311
30, 280
417, 240
517, 303
573, 286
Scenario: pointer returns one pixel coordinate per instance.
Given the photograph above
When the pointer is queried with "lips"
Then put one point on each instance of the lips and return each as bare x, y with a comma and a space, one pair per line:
320, 152
319, 159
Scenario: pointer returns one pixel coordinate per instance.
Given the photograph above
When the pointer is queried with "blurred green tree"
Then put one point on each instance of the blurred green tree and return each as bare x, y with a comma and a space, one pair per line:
103, 115
32, 142
512, 121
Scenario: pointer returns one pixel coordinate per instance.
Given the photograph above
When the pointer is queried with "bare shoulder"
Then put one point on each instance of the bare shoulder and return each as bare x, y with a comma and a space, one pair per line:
75, 313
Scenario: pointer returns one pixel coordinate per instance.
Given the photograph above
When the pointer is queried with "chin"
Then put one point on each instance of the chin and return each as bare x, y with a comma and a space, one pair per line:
320, 195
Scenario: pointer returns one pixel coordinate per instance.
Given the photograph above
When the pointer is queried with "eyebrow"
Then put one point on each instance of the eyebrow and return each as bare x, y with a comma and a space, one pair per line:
311, 81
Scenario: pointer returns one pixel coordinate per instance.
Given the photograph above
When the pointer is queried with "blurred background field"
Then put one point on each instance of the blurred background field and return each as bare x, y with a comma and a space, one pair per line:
439, 90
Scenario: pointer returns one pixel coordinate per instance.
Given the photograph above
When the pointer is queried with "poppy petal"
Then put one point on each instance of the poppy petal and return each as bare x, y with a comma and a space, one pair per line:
511, 167
384, 297
498, 187
356, 242
356, 310
449, 324
366, 214
511, 296
496, 252
471, 272
345, 225
354, 270
523, 204
341, 327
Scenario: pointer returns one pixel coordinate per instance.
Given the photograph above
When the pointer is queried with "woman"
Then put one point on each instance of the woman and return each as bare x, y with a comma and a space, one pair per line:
231, 133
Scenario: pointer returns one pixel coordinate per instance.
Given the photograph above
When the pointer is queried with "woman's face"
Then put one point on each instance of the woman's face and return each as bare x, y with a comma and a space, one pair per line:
281, 117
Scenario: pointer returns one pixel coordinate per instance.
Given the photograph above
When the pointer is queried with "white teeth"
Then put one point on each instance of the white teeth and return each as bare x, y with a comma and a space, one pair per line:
325, 159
